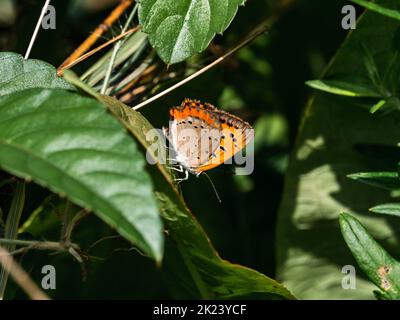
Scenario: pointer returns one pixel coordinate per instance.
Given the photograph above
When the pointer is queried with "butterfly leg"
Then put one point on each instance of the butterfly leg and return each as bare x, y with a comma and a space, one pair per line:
178, 169
185, 178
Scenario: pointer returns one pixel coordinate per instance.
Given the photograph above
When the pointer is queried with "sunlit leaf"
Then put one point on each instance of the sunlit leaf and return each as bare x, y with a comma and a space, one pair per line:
316, 187
384, 180
179, 29
344, 88
387, 208
380, 267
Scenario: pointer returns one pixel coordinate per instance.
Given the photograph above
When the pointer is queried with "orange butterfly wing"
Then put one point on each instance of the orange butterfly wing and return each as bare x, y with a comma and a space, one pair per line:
234, 140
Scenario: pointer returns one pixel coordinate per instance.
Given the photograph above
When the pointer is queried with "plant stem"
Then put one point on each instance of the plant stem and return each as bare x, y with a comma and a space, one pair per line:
116, 49
256, 33
43, 245
60, 70
11, 228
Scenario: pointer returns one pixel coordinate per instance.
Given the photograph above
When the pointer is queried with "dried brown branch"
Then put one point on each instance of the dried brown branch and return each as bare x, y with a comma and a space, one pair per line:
20, 276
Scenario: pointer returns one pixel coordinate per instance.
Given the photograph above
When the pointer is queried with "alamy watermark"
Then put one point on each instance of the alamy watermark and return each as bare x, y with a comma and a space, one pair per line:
49, 19
349, 280
49, 278
349, 20
201, 148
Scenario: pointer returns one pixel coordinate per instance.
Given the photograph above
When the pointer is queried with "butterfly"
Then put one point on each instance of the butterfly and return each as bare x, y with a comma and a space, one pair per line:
203, 137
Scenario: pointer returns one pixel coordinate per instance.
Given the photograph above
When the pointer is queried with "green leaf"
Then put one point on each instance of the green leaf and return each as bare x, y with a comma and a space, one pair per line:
179, 29
70, 144
45, 217
316, 188
387, 208
344, 88
191, 263
381, 9
195, 268
385, 180
381, 268
377, 106
380, 295
18, 74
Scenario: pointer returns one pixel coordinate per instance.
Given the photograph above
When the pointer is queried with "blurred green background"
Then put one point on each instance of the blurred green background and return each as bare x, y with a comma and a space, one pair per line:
263, 83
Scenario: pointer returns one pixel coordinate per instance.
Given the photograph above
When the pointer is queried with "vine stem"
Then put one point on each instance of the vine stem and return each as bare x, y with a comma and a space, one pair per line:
117, 46
11, 229
35, 33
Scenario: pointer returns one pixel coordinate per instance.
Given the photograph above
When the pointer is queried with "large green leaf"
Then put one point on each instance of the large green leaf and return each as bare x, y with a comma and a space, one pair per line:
380, 267
178, 29
70, 144
311, 249
18, 74
190, 251
192, 265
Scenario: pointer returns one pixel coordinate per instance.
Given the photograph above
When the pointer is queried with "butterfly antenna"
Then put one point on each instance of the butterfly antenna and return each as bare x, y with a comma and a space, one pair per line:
215, 189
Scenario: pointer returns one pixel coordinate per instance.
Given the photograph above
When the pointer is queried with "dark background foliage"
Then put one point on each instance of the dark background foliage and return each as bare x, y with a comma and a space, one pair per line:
263, 83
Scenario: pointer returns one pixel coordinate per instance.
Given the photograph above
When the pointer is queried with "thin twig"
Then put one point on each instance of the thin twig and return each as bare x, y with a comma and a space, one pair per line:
257, 32
20, 276
102, 28
92, 52
103, 239
35, 33
72, 224
41, 245
117, 46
